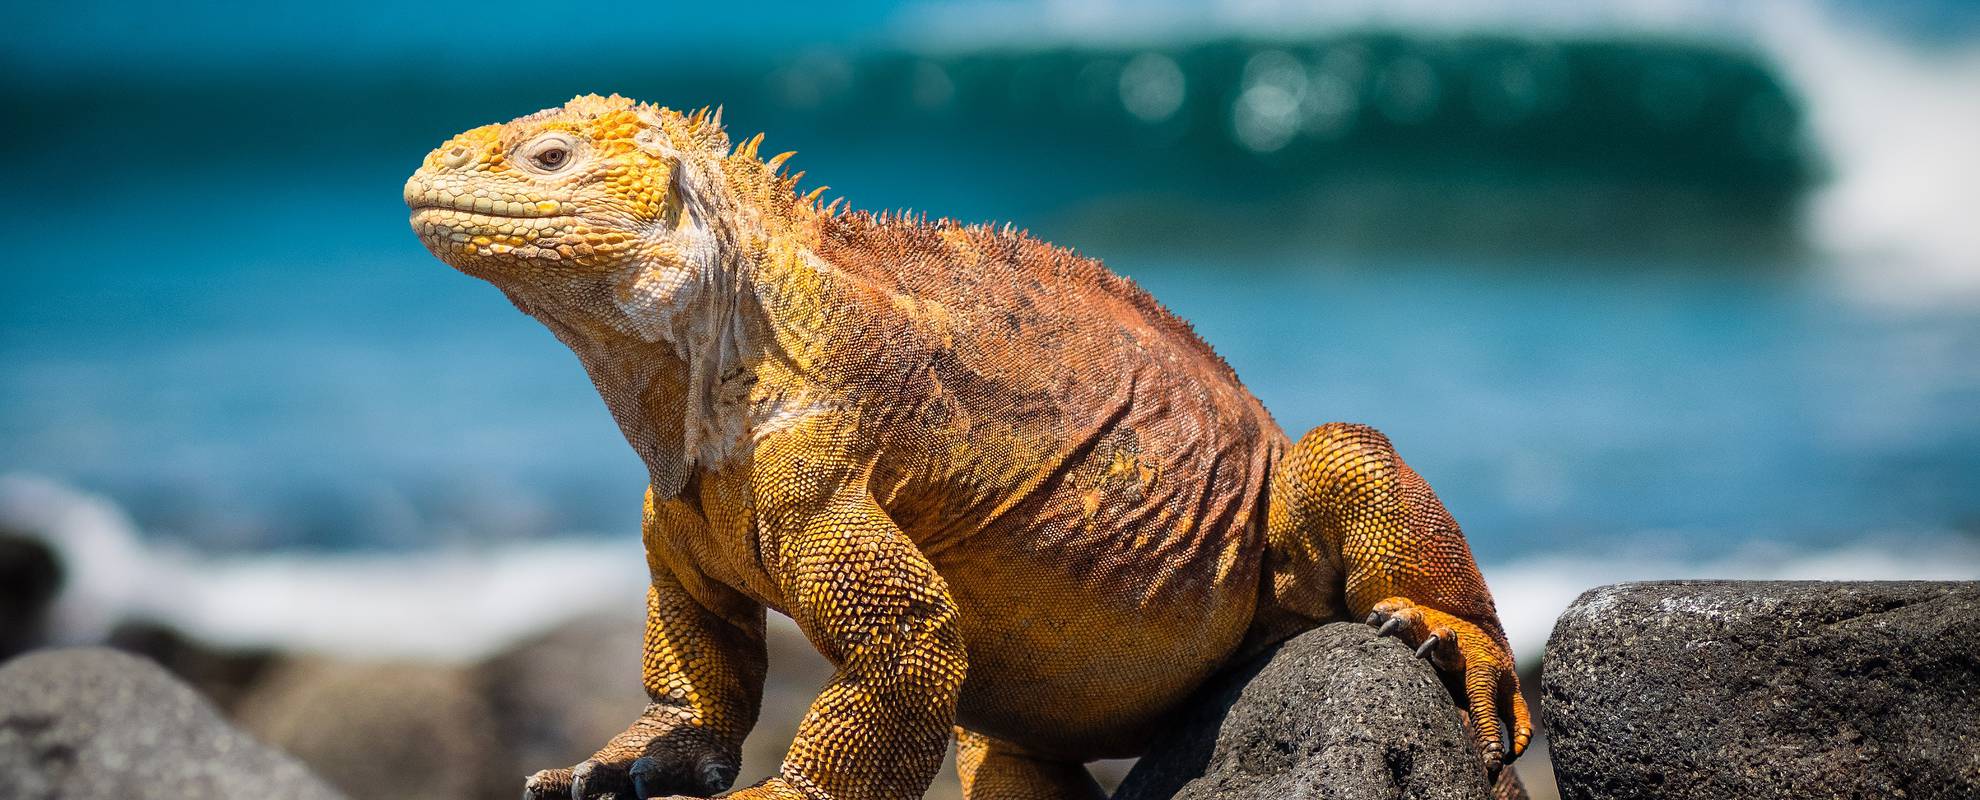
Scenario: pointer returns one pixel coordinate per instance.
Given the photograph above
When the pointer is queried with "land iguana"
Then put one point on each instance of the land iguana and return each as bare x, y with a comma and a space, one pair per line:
1007, 494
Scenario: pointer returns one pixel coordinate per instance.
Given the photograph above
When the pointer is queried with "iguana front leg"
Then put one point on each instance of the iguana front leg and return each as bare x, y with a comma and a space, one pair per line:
875, 607
1344, 504
703, 667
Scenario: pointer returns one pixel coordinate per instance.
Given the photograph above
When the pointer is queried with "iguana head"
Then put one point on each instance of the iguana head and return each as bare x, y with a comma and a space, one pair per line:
602, 211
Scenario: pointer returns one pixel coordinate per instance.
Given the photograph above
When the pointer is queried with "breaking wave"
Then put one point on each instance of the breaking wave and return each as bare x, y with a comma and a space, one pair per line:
1888, 93
1896, 123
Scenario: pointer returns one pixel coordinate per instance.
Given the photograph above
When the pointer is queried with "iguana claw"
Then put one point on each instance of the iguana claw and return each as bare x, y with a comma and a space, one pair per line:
657, 756
1392, 627
652, 777
1474, 664
646, 777
591, 779
547, 784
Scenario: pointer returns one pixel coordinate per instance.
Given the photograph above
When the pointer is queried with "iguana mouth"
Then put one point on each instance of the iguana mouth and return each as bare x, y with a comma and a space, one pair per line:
426, 196
487, 207
497, 227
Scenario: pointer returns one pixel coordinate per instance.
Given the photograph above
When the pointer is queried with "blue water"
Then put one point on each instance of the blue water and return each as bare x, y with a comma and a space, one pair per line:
216, 316
242, 369
1672, 412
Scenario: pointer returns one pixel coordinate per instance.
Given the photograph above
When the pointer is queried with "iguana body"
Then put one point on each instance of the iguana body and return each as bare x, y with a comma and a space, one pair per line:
1002, 489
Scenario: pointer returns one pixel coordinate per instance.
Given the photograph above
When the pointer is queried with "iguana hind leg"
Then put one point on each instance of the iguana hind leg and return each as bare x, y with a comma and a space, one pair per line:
1345, 511
993, 769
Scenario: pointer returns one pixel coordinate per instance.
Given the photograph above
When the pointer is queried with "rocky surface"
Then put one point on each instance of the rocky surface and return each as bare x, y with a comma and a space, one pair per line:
558, 695
1767, 689
223, 674
93, 723
1336, 713
30, 576
384, 729
1333, 713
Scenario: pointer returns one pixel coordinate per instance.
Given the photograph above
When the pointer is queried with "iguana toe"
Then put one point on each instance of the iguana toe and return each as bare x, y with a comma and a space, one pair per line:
666, 776
547, 784
1441, 648
1400, 618
1423, 650
597, 780
659, 755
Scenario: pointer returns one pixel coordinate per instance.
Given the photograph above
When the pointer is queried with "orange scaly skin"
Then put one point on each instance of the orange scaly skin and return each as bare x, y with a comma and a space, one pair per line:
1004, 491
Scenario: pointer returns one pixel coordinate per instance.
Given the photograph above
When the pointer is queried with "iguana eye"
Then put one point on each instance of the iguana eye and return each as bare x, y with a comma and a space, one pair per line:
550, 154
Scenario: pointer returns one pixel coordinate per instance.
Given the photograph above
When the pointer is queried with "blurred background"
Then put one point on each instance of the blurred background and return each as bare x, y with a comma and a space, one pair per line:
1646, 289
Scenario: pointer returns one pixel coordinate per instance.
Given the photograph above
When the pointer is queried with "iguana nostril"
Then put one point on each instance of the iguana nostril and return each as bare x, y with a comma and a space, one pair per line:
455, 156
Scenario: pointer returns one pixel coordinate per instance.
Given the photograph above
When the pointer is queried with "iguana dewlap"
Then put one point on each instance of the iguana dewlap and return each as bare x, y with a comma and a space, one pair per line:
1006, 493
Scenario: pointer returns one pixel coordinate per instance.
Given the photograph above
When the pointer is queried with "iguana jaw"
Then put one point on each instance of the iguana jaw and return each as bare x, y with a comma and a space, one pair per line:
424, 196
469, 239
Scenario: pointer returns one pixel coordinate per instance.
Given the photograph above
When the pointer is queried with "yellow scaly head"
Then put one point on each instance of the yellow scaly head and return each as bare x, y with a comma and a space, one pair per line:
602, 205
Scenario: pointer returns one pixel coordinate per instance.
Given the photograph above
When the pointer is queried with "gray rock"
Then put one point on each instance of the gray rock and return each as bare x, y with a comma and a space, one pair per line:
1767, 689
1333, 713
383, 729
93, 723
558, 696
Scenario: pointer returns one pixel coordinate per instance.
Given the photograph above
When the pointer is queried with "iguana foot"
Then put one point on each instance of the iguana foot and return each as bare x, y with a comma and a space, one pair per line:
593, 780
1477, 666
642, 763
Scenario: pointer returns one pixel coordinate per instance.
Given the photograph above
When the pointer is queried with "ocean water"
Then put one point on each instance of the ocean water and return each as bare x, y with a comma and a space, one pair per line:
266, 393
227, 365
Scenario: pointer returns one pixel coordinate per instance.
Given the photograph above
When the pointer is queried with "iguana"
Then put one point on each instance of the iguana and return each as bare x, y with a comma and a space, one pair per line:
1010, 497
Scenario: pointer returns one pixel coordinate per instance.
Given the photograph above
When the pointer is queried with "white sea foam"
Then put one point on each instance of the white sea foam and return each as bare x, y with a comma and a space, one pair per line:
460, 605
439, 604
1896, 124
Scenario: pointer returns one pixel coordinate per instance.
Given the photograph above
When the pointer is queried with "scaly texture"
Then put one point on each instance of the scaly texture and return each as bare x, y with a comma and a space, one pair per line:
1002, 489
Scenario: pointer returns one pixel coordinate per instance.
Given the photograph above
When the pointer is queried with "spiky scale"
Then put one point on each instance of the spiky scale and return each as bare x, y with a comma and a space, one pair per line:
749, 147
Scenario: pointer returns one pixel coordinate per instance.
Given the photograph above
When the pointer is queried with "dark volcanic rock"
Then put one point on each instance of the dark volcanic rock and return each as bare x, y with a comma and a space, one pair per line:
1767, 689
30, 576
95, 723
1333, 713
223, 674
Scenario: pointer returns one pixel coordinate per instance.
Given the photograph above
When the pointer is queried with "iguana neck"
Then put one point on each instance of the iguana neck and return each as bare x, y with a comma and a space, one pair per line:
674, 368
